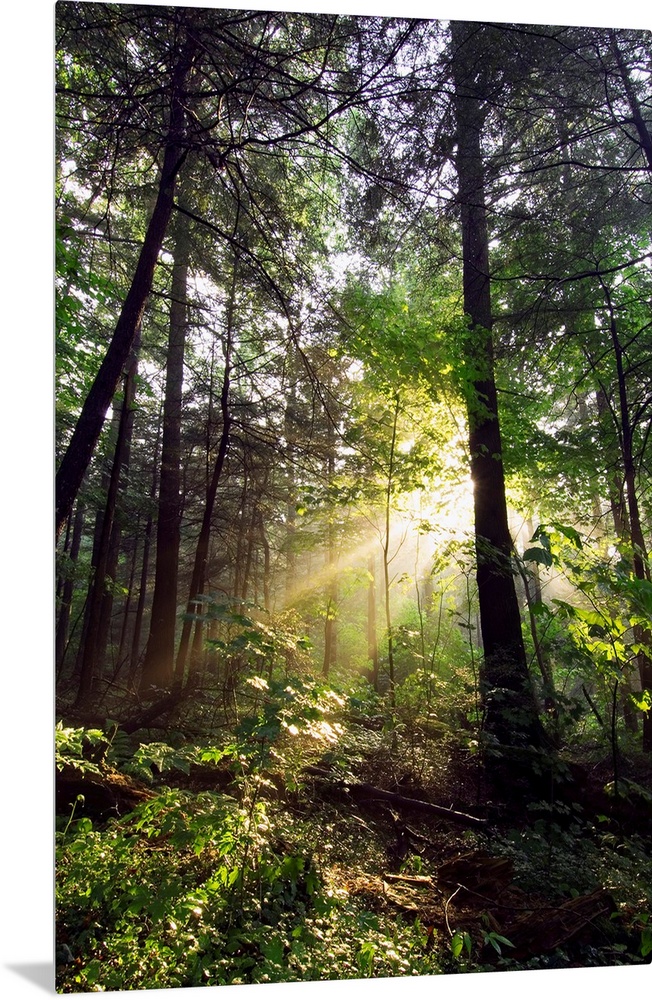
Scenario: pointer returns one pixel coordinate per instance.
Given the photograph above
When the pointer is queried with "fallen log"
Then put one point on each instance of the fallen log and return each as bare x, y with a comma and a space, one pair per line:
425, 880
542, 930
101, 795
361, 790
143, 719
476, 873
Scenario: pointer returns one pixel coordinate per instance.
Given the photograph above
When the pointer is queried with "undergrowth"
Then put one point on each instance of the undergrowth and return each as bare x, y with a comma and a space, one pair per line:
237, 866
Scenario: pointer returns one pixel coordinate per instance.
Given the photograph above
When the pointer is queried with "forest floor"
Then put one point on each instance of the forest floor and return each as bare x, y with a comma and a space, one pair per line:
354, 850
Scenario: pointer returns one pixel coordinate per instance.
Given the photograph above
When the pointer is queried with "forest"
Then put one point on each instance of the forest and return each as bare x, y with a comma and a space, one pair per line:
353, 611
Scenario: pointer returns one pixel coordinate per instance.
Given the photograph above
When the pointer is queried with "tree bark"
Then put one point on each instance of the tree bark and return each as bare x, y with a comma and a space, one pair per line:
158, 665
361, 790
91, 419
92, 642
67, 591
642, 636
372, 633
135, 651
386, 559
106, 611
510, 708
121, 657
201, 553
290, 425
330, 624
644, 137
612, 469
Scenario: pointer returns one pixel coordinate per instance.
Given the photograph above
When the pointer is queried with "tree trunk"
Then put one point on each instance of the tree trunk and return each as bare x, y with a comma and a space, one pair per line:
614, 478
121, 657
330, 624
644, 137
242, 535
250, 536
642, 636
108, 460
158, 665
68, 588
106, 611
372, 633
135, 651
201, 553
91, 419
290, 423
511, 714
91, 649
386, 559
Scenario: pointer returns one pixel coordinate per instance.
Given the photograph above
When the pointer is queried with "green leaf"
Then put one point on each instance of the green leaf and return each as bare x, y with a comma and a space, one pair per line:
646, 942
366, 956
642, 700
457, 943
273, 950
496, 940
536, 555
568, 532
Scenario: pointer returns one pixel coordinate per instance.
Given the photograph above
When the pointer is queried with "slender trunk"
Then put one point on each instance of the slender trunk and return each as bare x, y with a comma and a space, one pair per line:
619, 516
121, 658
91, 419
511, 713
198, 577
644, 137
91, 651
641, 570
106, 610
372, 633
158, 665
241, 540
68, 588
549, 693
105, 480
135, 653
614, 477
330, 637
103, 638
249, 558
61, 578
386, 560
642, 636
330, 624
418, 595
290, 509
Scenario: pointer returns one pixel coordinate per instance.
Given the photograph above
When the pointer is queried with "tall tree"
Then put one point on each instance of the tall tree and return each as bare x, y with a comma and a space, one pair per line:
511, 711
174, 150
200, 565
158, 665
92, 649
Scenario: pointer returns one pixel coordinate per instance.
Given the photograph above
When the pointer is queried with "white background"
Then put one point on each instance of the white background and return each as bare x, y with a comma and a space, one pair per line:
26, 492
